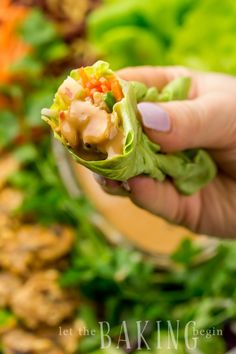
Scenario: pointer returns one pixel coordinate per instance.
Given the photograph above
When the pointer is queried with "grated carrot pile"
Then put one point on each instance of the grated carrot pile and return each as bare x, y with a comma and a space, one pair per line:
12, 48
102, 84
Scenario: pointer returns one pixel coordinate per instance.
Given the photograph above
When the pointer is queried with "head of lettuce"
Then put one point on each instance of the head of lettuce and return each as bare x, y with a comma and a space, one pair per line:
95, 115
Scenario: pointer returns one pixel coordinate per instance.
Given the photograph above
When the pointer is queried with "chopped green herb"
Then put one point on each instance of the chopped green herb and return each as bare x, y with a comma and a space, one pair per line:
110, 100
9, 128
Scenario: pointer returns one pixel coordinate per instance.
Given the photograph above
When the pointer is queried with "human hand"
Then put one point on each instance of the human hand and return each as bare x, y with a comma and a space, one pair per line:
207, 120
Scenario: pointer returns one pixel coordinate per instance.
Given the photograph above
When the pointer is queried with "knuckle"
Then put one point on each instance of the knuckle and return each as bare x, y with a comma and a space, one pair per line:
189, 212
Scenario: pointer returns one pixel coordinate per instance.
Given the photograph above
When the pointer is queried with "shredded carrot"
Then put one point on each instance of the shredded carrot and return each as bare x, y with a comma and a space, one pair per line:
104, 88
95, 82
105, 82
3, 102
116, 90
102, 84
62, 116
98, 89
12, 47
83, 76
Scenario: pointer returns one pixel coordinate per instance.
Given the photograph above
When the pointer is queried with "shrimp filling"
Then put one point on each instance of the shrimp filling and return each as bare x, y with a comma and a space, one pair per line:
89, 125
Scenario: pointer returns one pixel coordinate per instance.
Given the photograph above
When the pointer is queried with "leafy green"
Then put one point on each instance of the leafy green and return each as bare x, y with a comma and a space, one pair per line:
210, 345
37, 99
186, 252
33, 81
5, 316
45, 198
110, 100
169, 29
133, 41
12, 91
9, 128
217, 31
25, 153
203, 345
117, 284
46, 43
119, 277
189, 171
7, 319
29, 30
111, 350
176, 89
28, 64
137, 32
177, 294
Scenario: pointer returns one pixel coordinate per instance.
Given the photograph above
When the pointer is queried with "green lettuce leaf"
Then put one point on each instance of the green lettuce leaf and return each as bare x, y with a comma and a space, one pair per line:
189, 170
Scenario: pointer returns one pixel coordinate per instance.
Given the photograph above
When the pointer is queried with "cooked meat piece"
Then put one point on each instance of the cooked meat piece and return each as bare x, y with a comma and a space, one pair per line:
42, 301
19, 341
8, 165
69, 17
8, 227
70, 342
52, 242
34, 246
9, 283
10, 199
5, 222
47, 340
66, 335
13, 257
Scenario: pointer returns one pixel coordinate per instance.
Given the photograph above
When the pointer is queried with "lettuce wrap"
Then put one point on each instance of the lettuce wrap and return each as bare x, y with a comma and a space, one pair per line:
95, 116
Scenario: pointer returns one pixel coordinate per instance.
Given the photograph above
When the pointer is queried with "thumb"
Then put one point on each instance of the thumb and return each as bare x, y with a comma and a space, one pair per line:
206, 122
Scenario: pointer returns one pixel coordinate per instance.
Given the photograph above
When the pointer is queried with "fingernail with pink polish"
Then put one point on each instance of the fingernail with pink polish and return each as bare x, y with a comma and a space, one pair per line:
154, 117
